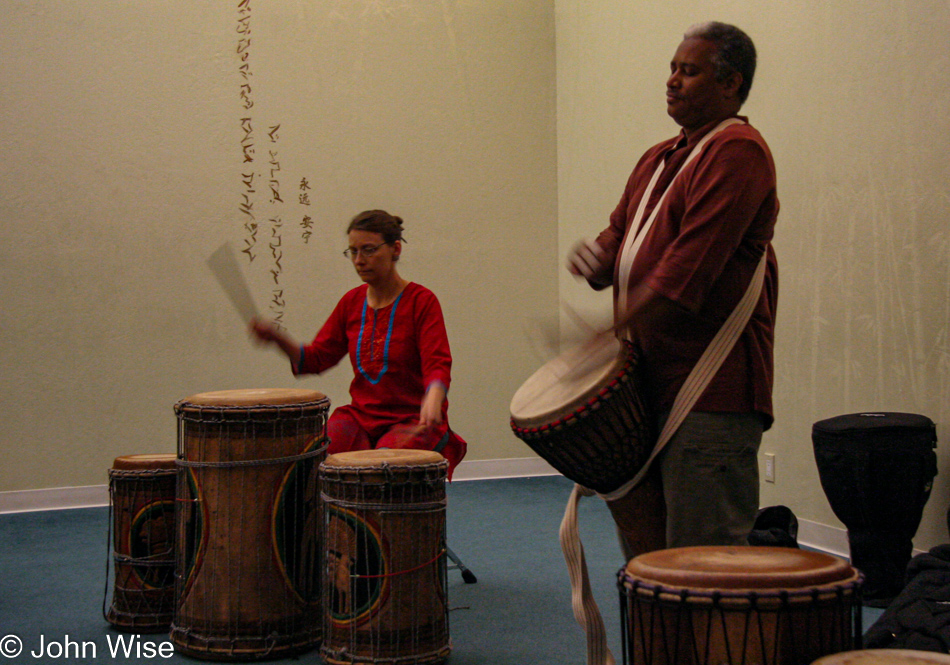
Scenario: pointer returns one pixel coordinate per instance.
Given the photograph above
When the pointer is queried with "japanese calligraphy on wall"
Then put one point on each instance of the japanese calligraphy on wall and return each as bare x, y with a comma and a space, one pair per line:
261, 204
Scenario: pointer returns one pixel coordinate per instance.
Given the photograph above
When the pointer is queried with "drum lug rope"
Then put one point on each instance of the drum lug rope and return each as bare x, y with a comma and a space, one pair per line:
585, 607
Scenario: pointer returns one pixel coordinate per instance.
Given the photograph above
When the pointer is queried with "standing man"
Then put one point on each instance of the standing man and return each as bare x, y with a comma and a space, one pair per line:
714, 221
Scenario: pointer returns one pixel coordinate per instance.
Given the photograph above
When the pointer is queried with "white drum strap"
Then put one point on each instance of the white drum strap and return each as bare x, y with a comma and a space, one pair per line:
636, 234
704, 371
586, 612
585, 607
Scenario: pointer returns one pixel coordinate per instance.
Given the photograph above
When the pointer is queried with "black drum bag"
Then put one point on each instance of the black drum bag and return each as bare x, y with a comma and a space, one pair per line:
877, 470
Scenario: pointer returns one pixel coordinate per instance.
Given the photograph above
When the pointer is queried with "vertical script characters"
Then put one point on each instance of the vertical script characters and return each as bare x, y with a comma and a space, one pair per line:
246, 206
277, 302
264, 178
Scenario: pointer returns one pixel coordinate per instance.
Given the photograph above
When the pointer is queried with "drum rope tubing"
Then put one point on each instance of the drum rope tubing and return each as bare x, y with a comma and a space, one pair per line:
256, 462
141, 474
433, 507
150, 560
397, 573
585, 607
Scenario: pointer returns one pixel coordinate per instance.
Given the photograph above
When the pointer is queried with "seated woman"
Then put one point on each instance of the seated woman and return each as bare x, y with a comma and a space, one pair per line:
395, 335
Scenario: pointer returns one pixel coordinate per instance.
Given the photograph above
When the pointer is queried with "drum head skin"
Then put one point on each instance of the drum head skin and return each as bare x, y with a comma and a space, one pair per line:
144, 462
885, 657
739, 568
255, 397
382, 457
567, 382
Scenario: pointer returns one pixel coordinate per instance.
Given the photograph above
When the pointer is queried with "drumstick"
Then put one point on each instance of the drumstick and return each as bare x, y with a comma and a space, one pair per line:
579, 320
547, 331
226, 270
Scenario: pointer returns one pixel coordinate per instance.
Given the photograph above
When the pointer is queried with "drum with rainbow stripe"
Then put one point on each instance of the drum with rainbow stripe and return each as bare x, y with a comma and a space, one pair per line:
142, 504
247, 557
385, 595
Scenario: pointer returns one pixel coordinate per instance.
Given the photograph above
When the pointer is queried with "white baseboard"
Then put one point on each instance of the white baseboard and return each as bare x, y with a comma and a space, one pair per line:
63, 498
520, 467
55, 498
815, 535
830, 539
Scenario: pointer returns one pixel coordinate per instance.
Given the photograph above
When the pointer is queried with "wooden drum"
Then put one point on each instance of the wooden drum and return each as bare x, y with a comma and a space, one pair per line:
715, 605
247, 559
142, 503
584, 414
385, 595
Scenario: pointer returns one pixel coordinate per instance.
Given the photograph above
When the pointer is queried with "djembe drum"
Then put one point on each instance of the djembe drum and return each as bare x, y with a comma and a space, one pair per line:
877, 470
247, 560
584, 413
142, 529
738, 605
385, 591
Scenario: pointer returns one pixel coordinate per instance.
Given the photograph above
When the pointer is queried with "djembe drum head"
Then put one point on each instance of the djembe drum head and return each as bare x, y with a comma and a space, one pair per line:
885, 657
714, 605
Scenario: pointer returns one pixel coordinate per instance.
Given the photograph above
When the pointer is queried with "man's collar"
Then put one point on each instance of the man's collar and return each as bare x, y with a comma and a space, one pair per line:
696, 136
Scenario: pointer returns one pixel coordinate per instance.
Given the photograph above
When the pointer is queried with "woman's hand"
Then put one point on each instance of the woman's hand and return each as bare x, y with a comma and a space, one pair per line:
263, 331
268, 332
430, 414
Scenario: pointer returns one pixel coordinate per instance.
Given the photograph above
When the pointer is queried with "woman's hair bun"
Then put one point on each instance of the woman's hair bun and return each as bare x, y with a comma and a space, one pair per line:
378, 221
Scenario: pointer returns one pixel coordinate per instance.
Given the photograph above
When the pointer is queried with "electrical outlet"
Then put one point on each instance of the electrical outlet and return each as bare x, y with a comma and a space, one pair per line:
769, 467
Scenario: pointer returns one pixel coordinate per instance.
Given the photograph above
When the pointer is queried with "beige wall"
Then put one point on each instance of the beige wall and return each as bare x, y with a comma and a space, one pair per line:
853, 100
120, 126
121, 130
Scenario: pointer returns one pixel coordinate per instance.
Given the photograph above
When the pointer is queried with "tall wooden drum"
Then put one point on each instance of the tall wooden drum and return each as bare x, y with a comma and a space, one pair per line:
385, 595
738, 605
142, 503
247, 559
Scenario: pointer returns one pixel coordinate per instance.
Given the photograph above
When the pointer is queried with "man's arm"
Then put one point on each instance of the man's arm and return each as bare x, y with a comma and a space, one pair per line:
647, 310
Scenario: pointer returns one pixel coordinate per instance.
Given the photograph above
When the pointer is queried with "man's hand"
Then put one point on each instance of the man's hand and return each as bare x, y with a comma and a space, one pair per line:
586, 259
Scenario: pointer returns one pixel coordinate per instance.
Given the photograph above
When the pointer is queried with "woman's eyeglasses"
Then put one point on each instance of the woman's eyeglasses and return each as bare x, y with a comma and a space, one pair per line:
367, 251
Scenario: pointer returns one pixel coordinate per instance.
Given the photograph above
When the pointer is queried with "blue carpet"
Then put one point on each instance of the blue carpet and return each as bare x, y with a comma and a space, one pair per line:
52, 567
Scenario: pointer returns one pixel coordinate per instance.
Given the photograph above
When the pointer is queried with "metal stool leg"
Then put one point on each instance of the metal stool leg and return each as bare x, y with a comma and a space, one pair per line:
457, 564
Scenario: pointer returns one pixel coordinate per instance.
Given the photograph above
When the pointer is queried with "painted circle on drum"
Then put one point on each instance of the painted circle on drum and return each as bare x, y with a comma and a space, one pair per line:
296, 527
356, 567
152, 538
191, 530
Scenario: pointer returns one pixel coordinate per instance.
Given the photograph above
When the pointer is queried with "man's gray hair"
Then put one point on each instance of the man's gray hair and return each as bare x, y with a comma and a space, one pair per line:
735, 52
